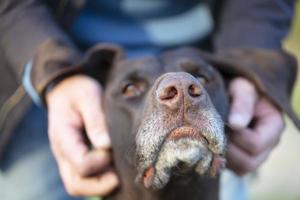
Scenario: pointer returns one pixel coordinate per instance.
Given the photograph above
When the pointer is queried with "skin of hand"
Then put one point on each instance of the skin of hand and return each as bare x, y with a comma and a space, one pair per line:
257, 126
74, 105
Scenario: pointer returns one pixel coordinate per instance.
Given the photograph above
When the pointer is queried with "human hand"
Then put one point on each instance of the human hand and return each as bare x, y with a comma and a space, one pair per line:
257, 126
74, 105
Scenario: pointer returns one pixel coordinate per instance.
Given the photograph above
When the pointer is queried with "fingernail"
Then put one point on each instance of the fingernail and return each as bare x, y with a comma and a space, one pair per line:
237, 120
102, 140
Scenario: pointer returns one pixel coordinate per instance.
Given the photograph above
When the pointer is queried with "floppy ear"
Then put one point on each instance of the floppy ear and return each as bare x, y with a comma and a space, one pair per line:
273, 73
100, 59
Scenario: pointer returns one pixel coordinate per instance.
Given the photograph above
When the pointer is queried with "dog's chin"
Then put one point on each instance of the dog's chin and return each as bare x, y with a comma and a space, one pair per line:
184, 151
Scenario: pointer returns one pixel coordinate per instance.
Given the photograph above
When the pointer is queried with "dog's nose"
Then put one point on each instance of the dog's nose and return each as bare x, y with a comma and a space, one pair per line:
176, 87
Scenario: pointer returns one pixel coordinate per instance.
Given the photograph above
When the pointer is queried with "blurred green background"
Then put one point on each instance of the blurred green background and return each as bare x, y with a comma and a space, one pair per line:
279, 177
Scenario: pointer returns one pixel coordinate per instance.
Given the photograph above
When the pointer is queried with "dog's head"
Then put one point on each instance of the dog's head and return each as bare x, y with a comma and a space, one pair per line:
165, 114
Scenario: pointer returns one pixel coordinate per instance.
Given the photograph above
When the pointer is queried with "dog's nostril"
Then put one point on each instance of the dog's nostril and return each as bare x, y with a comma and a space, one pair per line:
181, 165
168, 93
194, 90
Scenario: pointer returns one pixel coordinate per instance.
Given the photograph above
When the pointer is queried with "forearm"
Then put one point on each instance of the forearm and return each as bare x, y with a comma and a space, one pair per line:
29, 31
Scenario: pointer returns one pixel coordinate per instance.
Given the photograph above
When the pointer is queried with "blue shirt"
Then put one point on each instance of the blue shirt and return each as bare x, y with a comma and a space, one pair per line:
142, 26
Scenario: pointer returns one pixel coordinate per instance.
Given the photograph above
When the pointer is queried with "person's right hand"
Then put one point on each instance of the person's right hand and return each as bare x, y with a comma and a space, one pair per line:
257, 126
74, 105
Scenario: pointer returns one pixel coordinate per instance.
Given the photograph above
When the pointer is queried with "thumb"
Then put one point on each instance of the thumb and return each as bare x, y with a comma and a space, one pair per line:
94, 119
244, 97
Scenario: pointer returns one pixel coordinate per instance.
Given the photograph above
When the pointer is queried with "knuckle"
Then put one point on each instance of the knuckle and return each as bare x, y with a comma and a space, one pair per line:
71, 186
254, 152
95, 86
83, 168
253, 146
71, 190
250, 166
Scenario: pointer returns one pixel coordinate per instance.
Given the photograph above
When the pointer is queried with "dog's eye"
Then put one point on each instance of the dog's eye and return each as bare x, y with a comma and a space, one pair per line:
131, 90
202, 79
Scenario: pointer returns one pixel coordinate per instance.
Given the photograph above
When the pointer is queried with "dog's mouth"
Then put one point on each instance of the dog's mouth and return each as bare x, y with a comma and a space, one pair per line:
187, 132
184, 150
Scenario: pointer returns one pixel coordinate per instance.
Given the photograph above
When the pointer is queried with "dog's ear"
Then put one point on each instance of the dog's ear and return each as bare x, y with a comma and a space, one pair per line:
100, 59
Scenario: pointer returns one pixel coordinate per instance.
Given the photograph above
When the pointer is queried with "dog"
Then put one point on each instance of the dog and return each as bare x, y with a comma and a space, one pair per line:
166, 119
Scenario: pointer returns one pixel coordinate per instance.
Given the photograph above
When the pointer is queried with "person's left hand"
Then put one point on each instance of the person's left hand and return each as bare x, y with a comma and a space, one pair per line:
257, 126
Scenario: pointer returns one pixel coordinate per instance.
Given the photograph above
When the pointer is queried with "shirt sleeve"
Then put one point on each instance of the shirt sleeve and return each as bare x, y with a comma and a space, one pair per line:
253, 24
29, 32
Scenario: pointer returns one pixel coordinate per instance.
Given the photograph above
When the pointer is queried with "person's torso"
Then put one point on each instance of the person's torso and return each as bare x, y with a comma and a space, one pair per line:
142, 27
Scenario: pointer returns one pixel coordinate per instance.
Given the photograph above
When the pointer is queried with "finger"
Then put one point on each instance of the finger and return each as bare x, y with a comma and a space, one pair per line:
269, 118
244, 97
94, 120
266, 133
254, 143
65, 134
76, 185
269, 124
241, 162
69, 143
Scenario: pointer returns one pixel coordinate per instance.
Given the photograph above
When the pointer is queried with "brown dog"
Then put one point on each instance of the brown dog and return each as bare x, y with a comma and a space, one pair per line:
165, 116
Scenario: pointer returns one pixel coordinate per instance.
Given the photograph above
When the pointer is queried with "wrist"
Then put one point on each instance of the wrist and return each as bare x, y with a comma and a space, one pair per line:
68, 87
